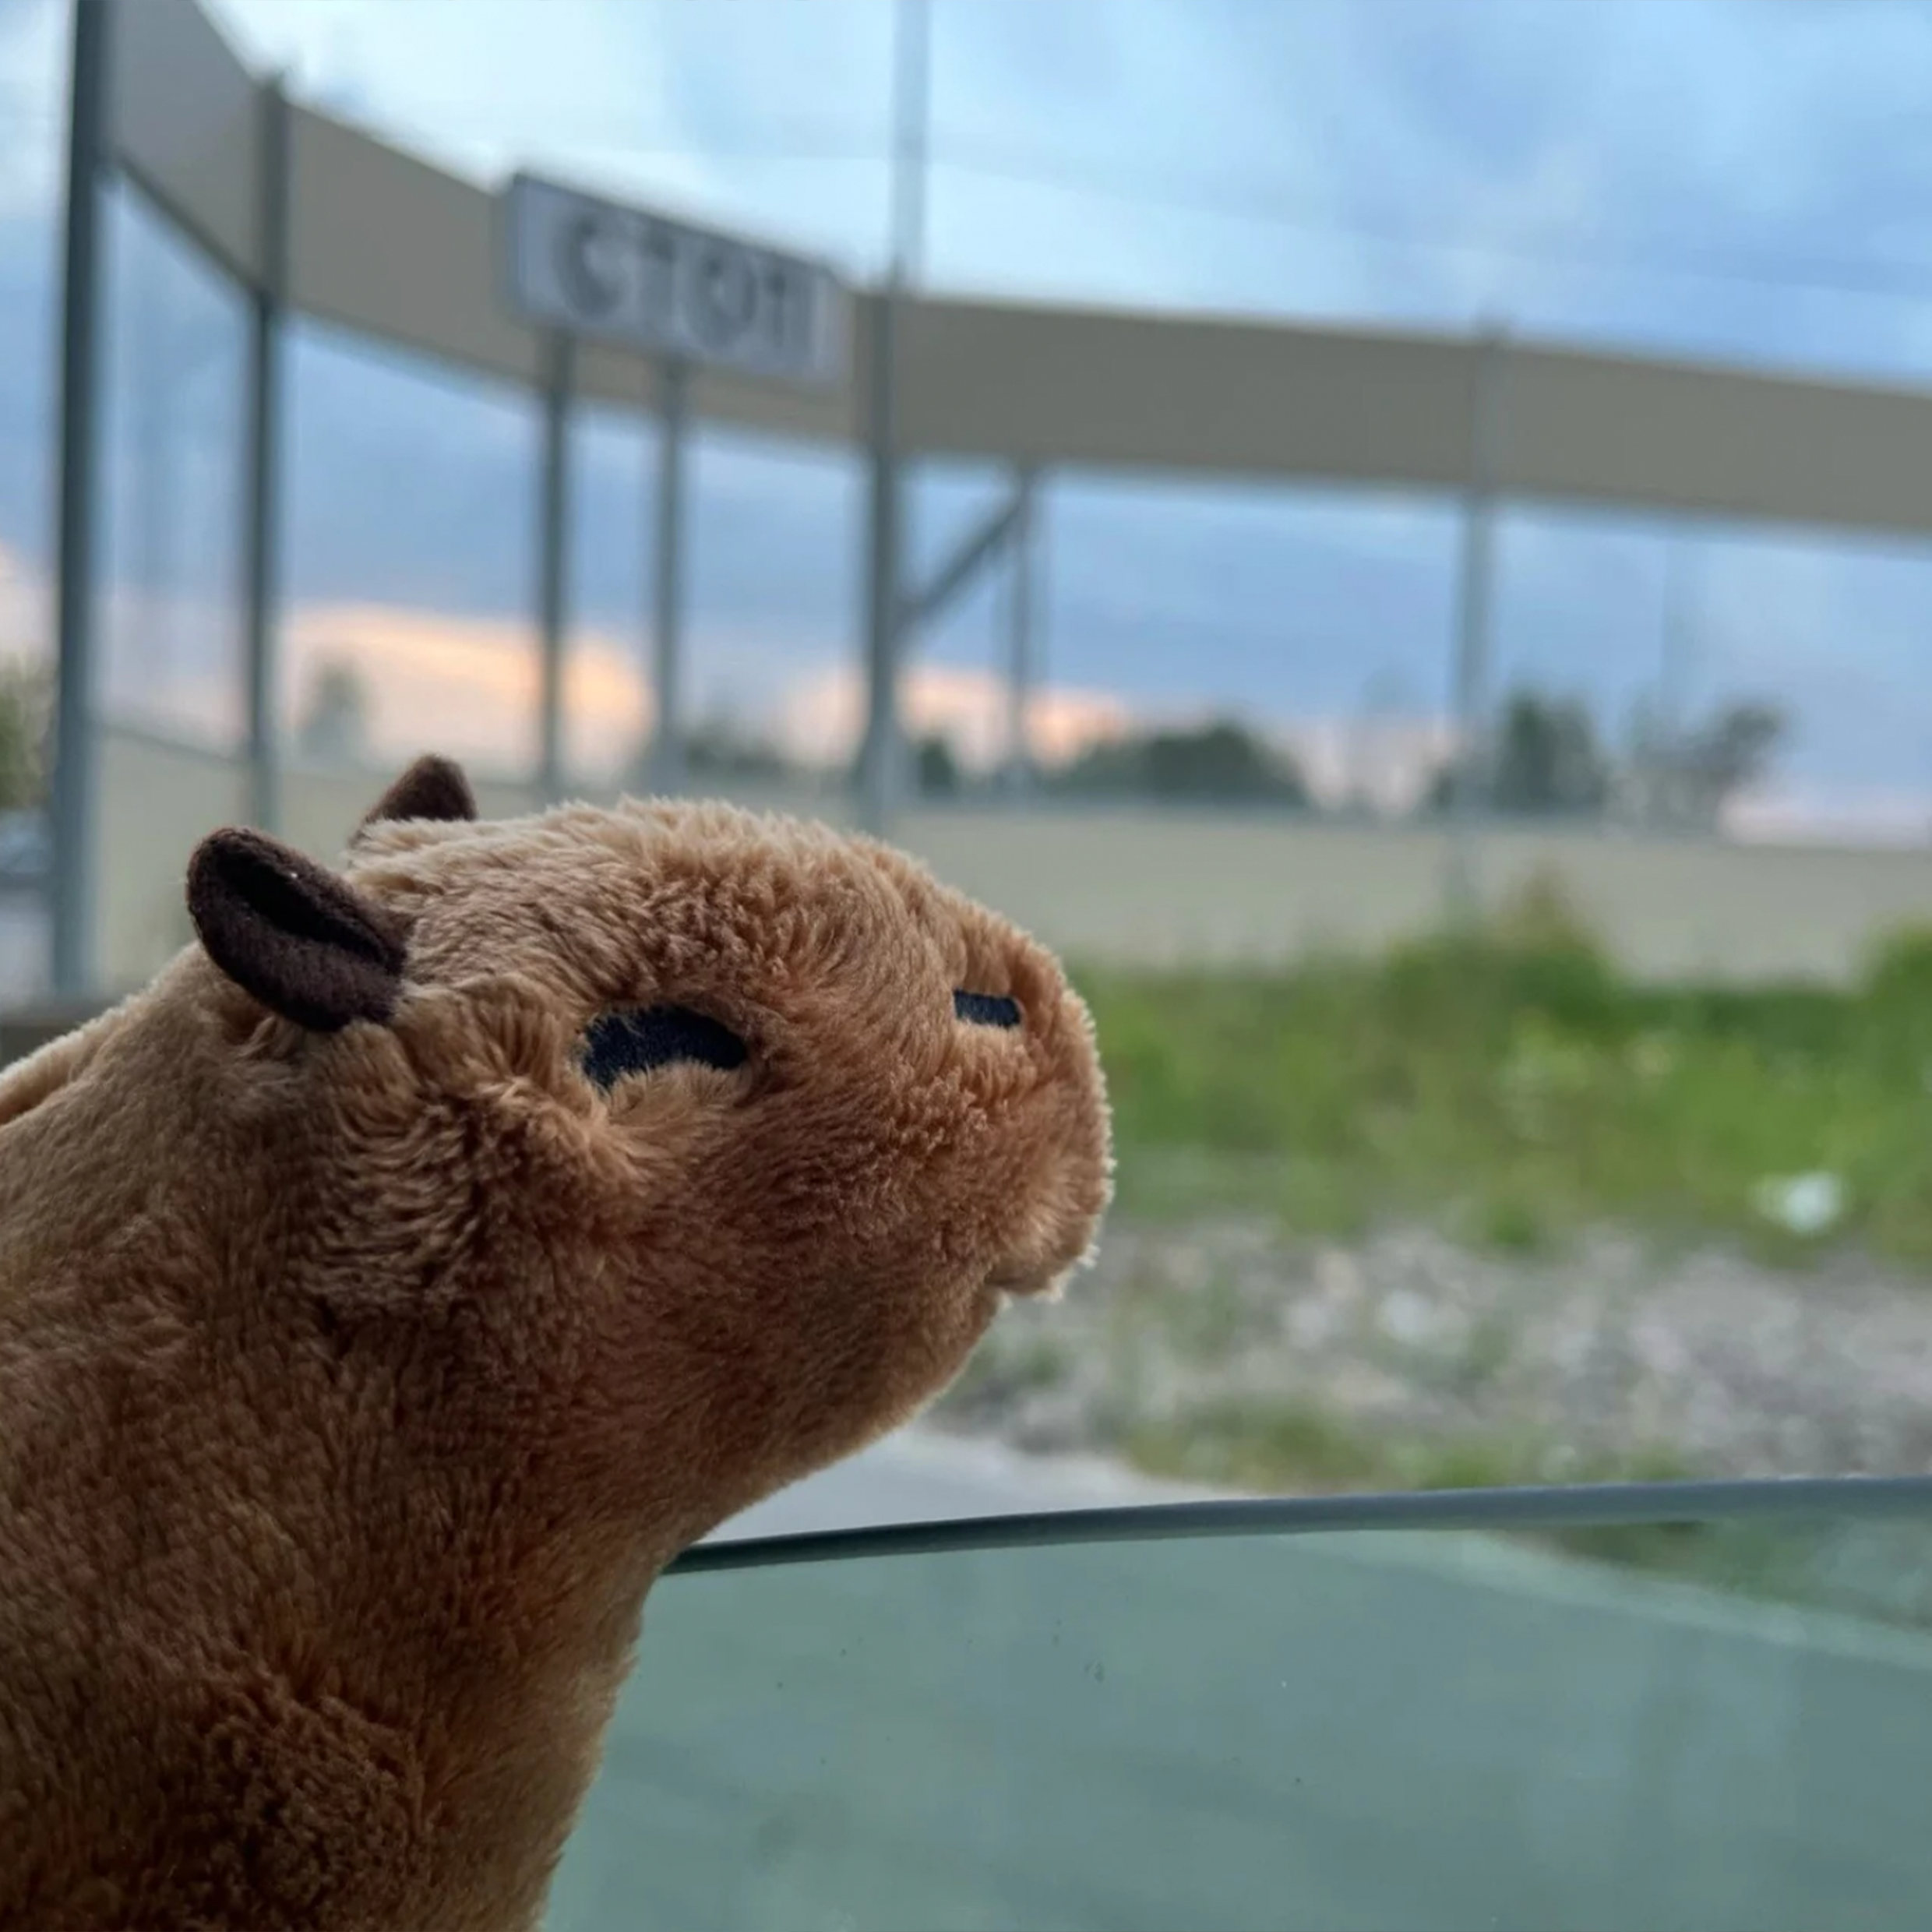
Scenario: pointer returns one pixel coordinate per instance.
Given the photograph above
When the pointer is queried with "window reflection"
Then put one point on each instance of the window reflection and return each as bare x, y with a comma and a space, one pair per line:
1398, 1732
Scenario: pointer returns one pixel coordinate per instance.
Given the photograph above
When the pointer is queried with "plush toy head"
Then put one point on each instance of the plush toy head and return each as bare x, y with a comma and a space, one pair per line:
389, 1292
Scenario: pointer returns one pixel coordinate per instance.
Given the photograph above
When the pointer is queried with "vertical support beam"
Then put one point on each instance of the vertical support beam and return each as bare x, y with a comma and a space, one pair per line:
882, 750
75, 806
156, 397
261, 546
668, 733
1021, 617
553, 563
1676, 668
1473, 612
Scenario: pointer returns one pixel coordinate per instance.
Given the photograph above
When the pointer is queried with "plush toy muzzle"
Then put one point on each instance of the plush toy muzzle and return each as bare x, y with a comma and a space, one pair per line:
392, 1289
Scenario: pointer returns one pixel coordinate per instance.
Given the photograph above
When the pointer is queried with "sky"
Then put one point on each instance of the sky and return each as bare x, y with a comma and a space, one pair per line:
1743, 180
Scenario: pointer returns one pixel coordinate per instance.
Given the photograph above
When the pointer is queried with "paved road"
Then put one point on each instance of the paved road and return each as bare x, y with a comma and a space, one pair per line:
1386, 1734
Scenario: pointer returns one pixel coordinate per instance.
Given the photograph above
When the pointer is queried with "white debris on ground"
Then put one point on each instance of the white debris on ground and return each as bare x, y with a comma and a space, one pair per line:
1807, 1205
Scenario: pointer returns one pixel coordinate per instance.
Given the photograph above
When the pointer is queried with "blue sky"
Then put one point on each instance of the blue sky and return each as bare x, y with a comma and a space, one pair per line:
1749, 180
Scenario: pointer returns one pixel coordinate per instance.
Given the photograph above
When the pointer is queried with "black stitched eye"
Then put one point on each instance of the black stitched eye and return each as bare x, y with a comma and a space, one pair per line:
635, 1039
986, 1009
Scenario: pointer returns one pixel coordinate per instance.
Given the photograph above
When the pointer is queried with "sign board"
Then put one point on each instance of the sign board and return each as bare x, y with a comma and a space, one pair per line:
595, 269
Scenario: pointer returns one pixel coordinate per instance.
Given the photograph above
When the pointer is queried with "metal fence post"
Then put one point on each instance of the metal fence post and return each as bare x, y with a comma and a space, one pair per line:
878, 750
261, 537
1021, 618
881, 751
553, 563
1462, 890
667, 771
75, 807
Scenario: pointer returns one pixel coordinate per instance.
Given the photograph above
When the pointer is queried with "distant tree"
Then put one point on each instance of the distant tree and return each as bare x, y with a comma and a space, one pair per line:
1734, 751
1545, 760
1219, 763
719, 749
1115, 768
26, 718
26, 714
1685, 779
333, 728
936, 768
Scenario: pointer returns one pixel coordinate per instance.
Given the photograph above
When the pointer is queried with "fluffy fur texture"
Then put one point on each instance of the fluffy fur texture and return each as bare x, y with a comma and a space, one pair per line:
358, 1377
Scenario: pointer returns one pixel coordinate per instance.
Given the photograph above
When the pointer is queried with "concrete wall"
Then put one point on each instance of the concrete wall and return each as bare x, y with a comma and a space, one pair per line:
158, 799
1161, 887
1156, 887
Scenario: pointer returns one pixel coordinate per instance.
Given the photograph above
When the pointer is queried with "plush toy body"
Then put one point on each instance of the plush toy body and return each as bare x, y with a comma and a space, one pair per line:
390, 1290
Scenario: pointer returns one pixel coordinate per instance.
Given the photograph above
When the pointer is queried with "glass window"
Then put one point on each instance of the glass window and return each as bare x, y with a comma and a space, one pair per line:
1380, 1732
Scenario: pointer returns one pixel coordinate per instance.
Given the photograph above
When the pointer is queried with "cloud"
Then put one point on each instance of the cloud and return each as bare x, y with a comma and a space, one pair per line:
482, 84
1384, 762
478, 679
817, 721
472, 684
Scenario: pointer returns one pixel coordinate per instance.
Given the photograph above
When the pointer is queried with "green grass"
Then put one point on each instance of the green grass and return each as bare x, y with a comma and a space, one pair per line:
1281, 1448
1512, 1084
1882, 1571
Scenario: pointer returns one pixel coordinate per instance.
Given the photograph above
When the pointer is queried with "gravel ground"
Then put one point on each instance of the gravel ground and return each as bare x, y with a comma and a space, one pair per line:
1614, 1353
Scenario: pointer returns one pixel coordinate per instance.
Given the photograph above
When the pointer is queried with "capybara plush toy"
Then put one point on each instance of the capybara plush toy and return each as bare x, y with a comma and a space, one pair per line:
392, 1289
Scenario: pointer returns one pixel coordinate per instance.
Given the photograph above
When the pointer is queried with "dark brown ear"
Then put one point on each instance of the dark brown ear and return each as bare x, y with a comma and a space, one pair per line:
305, 944
433, 787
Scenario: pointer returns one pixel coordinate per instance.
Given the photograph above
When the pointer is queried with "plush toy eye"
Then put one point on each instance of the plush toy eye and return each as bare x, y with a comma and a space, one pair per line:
637, 1039
986, 1009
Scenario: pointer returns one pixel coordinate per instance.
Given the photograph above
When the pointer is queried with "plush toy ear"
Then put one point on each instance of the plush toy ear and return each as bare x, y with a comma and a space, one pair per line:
304, 942
433, 787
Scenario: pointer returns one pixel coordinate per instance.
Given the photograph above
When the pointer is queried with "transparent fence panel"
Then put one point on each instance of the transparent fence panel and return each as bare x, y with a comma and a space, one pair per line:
411, 519
1237, 694
953, 689
1320, 628
774, 687
1385, 1733
1831, 638
609, 705
1698, 679
1589, 669
170, 609
168, 602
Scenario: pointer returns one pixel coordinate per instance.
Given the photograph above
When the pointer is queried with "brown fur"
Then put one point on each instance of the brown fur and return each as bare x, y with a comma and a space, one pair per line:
355, 1385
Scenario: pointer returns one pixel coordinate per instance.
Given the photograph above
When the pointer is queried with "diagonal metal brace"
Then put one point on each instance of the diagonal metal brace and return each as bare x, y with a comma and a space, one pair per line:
921, 607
